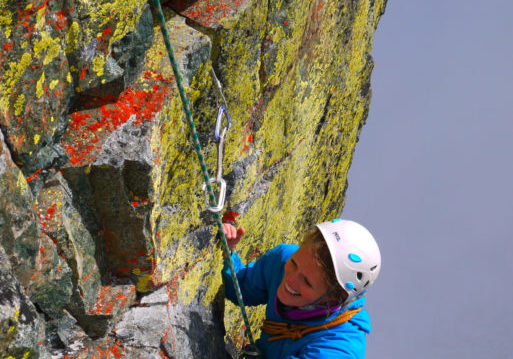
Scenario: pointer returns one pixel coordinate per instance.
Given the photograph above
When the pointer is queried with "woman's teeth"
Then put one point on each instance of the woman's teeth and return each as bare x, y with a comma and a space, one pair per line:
290, 290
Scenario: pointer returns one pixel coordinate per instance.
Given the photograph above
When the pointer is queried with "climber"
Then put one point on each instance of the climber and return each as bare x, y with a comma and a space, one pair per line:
314, 292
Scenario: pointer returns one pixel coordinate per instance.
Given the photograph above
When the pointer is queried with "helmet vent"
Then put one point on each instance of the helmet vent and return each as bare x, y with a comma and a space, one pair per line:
374, 268
366, 284
359, 275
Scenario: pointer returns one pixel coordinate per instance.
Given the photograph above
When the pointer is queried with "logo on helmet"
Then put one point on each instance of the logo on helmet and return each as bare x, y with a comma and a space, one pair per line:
337, 237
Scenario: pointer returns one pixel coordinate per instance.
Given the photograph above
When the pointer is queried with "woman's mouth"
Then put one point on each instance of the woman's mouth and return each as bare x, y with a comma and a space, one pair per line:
290, 290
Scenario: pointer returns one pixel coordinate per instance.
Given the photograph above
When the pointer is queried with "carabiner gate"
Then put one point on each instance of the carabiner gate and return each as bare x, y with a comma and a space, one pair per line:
222, 110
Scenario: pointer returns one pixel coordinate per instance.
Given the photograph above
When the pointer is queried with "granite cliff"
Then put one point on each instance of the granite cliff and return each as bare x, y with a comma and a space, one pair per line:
106, 248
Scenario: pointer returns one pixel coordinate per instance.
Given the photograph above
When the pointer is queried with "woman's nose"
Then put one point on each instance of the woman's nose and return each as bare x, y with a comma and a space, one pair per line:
292, 279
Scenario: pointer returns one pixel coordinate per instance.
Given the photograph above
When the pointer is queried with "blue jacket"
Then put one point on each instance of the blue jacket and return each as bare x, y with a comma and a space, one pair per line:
259, 282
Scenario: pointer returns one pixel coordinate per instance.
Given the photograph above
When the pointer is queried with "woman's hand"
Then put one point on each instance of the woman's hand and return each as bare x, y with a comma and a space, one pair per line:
233, 235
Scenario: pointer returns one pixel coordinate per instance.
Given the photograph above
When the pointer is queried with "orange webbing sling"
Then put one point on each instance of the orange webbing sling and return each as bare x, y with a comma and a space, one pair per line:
282, 330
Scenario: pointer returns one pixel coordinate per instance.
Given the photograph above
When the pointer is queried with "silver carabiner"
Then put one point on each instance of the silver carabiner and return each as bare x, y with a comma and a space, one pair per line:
222, 110
222, 194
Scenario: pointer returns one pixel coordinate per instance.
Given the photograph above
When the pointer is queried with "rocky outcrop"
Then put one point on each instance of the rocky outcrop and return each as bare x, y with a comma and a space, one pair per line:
35, 261
109, 250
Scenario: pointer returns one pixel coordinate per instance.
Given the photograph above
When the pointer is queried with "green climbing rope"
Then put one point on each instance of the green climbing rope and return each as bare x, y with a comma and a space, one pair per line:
201, 159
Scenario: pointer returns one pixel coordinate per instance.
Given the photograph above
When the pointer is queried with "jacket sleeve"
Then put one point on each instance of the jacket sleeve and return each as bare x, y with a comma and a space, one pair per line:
254, 279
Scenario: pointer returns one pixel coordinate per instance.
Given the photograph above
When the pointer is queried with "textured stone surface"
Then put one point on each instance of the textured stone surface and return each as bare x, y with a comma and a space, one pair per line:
34, 257
102, 196
157, 325
61, 332
34, 90
60, 56
62, 222
20, 237
145, 326
108, 62
199, 333
110, 304
21, 328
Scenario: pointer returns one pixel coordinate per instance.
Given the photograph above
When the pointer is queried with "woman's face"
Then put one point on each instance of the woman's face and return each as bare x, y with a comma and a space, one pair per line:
303, 281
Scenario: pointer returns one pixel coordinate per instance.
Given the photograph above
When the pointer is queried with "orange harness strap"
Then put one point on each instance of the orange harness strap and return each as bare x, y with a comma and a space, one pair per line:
282, 330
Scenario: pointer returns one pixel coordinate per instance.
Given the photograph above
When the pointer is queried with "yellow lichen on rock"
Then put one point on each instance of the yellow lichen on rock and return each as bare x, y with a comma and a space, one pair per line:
309, 128
53, 84
359, 38
39, 86
241, 78
98, 64
53, 52
177, 179
21, 183
124, 14
12, 75
19, 104
44, 43
287, 36
72, 37
5, 19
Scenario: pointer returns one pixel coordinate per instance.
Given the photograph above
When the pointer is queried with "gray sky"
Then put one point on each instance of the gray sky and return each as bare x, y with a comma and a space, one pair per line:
432, 178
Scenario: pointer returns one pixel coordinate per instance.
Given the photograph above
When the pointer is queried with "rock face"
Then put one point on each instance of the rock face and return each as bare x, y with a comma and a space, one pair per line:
107, 247
21, 327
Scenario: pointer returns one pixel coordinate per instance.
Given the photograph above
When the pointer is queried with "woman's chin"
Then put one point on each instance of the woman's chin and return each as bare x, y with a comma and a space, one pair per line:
281, 295
284, 297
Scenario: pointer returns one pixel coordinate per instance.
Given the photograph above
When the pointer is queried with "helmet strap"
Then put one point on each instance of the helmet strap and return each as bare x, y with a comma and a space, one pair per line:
352, 298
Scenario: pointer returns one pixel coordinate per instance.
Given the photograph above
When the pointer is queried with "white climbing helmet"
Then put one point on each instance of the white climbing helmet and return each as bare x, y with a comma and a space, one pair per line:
355, 254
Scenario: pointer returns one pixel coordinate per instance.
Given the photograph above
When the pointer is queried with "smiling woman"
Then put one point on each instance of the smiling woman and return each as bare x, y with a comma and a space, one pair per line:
314, 292
303, 281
